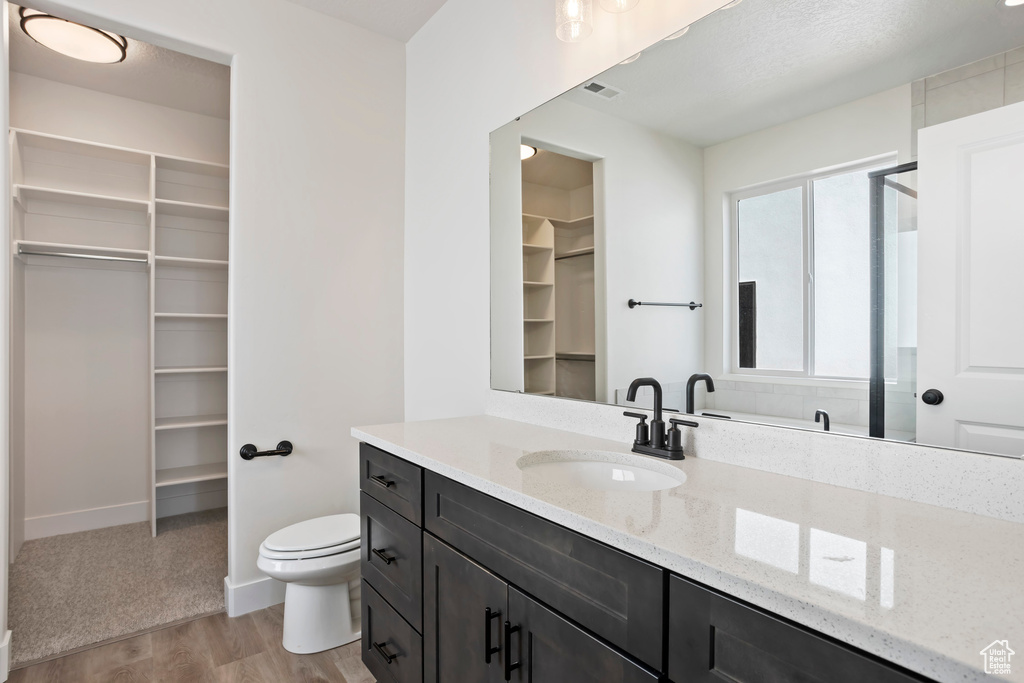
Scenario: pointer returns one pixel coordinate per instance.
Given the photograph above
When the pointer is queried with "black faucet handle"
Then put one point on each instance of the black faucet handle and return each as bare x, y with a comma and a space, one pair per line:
643, 433
683, 423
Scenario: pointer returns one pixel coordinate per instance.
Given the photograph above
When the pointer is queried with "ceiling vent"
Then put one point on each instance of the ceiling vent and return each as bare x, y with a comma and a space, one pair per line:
601, 90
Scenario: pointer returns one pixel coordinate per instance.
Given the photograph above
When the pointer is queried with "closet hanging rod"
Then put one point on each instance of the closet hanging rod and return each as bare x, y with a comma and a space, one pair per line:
94, 257
633, 303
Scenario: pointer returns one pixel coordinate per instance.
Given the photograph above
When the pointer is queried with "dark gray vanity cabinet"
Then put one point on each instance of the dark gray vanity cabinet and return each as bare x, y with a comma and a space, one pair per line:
481, 629
459, 587
464, 606
713, 638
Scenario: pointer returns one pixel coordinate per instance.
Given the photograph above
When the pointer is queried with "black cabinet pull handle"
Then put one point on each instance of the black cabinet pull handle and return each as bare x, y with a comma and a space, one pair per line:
379, 647
385, 558
248, 451
510, 666
488, 650
382, 481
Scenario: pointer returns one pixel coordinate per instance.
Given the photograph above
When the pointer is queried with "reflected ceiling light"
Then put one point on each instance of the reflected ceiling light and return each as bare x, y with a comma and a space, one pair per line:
525, 152
618, 6
73, 40
1013, 3
630, 60
574, 20
678, 34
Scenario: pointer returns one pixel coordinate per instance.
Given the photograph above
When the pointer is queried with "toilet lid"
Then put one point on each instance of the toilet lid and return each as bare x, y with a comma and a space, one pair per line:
314, 534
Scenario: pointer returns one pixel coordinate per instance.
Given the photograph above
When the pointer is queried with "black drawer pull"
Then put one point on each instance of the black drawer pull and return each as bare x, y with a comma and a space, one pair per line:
510, 666
385, 558
382, 481
488, 650
379, 647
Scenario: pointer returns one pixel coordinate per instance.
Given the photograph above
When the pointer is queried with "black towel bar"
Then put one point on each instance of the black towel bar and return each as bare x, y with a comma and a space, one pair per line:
248, 451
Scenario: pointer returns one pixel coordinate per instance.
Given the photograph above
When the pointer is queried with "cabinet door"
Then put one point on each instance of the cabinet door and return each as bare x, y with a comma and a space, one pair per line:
712, 639
464, 607
546, 648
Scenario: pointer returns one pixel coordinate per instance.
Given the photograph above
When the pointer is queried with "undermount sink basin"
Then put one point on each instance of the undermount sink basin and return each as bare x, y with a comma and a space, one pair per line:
601, 470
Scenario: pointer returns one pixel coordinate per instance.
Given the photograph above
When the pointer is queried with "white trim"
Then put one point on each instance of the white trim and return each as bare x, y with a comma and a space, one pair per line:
5, 656
249, 597
86, 520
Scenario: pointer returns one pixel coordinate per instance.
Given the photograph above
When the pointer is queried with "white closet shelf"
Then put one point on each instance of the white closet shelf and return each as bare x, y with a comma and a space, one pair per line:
528, 283
192, 473
188, 370
190, 421
96, 150
170, 207
537, 357
538, 320
535, 248
182, 165
571, 223
80, 249
193, 316
574, 252
23, 193
182, 262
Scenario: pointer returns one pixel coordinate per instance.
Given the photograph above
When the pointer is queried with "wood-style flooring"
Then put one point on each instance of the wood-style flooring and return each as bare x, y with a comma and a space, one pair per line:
214, 649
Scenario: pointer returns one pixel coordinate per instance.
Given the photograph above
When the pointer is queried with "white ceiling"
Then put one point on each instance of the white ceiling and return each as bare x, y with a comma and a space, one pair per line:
765, 62
398, 19
554, 170
149, 73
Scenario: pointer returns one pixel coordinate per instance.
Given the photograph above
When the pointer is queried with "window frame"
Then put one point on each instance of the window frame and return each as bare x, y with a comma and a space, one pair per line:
805, 181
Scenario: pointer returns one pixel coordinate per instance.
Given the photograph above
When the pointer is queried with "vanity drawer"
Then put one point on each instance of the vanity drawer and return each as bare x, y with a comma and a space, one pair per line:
391, 550
386, 637
713, 638
393, 481
616, 596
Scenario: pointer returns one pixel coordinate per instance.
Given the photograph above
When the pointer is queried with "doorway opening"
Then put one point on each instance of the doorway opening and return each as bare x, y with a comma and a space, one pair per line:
119, 318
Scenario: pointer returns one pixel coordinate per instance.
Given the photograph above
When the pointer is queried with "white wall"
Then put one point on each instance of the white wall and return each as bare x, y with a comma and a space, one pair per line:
865, 128
316, 218
648, 228
473, 68
51, 107
5, 355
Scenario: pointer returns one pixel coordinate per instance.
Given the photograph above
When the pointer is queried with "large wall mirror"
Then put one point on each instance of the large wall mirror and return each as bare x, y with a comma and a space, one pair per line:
816, 203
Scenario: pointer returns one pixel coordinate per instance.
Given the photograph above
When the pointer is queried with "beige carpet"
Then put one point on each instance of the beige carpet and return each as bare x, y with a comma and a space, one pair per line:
78, 589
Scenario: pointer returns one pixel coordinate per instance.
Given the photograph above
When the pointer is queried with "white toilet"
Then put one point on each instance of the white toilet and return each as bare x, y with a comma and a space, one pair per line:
319, 560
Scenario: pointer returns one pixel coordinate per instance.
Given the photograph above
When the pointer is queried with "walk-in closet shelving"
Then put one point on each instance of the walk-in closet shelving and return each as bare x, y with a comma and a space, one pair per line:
558, 275
167, 217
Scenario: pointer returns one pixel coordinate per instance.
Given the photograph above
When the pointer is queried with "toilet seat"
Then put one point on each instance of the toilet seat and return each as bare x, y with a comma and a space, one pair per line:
319, 537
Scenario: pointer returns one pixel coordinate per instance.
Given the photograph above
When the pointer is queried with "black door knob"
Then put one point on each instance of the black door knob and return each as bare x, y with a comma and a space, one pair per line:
932, 397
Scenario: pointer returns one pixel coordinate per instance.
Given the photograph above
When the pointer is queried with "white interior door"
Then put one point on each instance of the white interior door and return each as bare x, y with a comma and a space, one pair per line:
971, 282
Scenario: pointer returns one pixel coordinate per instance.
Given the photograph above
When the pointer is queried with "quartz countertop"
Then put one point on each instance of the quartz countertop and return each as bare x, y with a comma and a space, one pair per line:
918, 585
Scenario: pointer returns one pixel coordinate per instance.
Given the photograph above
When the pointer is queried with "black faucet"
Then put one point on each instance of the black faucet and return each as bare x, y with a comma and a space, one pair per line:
652, 439
818, 415
691, 383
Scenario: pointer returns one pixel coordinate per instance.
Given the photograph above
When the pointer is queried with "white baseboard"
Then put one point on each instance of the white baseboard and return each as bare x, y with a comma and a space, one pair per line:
5, 656
86, 520
249, 597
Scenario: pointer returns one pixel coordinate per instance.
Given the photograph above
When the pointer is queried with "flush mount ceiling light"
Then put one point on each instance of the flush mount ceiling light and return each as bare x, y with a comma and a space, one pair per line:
618, 6
574, 20
1011, 3
525, 152
73, 40
678, 34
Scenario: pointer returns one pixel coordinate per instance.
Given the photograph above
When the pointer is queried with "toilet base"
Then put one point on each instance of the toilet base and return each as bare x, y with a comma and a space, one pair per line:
318, 618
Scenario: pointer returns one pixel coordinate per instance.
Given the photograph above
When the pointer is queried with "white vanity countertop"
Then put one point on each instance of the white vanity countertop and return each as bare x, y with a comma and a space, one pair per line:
922, 586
